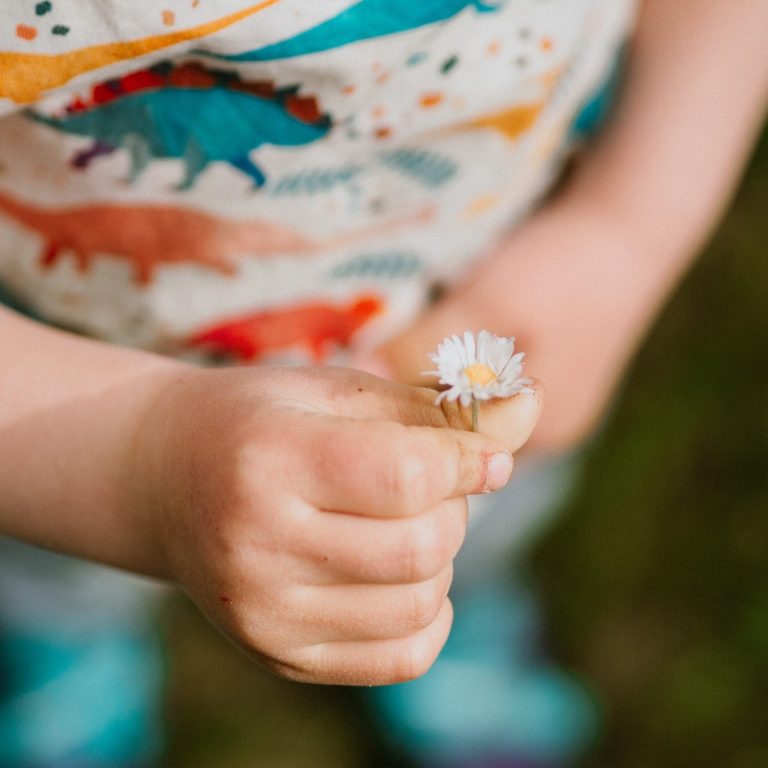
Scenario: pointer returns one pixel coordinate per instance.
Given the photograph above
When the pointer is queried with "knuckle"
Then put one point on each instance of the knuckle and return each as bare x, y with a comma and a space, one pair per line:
238, 472
231, 561
300, 662
408, 481
416, 658
424, 602
425, 552
298, 666
279, 647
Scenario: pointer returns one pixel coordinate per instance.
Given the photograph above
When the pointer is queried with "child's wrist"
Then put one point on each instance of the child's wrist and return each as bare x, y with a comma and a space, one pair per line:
148, 458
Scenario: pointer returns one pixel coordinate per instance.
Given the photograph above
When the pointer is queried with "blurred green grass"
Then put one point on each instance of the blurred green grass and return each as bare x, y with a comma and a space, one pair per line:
655, 578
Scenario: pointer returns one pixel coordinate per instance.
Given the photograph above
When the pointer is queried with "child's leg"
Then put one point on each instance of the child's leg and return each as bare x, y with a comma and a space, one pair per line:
492, 698
80, 664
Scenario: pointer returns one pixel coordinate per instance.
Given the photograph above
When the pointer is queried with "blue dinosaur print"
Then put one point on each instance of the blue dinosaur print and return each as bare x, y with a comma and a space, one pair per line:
316, 181
392, 265
191, 113
364, 20
428, 168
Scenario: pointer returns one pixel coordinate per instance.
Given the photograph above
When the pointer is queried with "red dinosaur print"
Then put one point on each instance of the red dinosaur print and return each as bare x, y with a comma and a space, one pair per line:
142, 235
193, 75
316, 327
152, 234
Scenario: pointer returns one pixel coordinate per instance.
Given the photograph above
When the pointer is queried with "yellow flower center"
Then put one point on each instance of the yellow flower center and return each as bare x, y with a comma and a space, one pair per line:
480, 374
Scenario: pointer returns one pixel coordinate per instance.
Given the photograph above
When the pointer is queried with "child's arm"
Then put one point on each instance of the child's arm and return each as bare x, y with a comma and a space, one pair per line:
312, 514
69, 410
580, 282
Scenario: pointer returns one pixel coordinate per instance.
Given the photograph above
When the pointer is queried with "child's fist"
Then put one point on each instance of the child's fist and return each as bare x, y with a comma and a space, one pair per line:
314, 514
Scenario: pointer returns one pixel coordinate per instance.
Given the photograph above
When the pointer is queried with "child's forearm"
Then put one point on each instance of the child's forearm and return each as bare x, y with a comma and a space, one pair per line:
692, 104
579, 282
69, 409
652, 186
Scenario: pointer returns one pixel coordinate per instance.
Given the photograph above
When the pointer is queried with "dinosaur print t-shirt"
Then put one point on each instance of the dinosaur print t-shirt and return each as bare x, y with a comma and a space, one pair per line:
278, 180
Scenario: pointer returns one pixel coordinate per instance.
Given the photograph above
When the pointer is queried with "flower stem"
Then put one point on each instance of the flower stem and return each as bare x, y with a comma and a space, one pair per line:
475, 415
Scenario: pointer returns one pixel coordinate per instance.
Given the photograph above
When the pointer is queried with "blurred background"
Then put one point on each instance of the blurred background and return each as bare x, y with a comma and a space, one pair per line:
655, 577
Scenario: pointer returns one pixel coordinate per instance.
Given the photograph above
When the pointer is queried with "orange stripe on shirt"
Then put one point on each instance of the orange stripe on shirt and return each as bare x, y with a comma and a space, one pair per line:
24, 77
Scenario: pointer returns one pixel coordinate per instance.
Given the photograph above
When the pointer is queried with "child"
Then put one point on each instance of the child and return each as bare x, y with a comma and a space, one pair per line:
287, 181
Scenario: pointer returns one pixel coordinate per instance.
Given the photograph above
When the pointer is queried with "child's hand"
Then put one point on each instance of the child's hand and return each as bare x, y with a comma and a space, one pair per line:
314, 514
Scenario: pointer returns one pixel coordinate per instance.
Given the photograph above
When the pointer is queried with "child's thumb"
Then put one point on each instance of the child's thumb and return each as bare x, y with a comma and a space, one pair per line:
509, 420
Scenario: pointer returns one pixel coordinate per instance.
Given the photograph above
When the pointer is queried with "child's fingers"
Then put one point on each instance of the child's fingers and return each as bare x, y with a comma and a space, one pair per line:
374, 611
369, 397
386, 469
350, 549
373, 662
508, 420
511, 420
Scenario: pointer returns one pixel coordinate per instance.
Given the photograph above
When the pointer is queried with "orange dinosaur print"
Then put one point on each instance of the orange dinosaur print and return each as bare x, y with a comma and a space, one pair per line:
317, 327
511, 123
152, 234
24, 77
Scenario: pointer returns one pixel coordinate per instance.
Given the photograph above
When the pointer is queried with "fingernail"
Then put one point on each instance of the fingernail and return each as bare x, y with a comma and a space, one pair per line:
499, 472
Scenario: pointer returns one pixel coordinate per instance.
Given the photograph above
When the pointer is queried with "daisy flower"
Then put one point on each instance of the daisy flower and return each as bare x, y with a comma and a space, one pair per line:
479, 368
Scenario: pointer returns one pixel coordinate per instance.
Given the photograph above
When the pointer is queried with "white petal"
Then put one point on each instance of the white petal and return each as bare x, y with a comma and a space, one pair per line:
469, 345
513, 366
453, 395
485, 349
458, 348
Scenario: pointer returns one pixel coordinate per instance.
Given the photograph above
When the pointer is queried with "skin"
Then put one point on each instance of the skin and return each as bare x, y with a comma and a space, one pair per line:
580, 282
314, 514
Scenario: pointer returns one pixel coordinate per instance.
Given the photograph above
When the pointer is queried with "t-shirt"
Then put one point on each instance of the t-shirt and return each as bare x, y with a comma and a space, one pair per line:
278, 180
